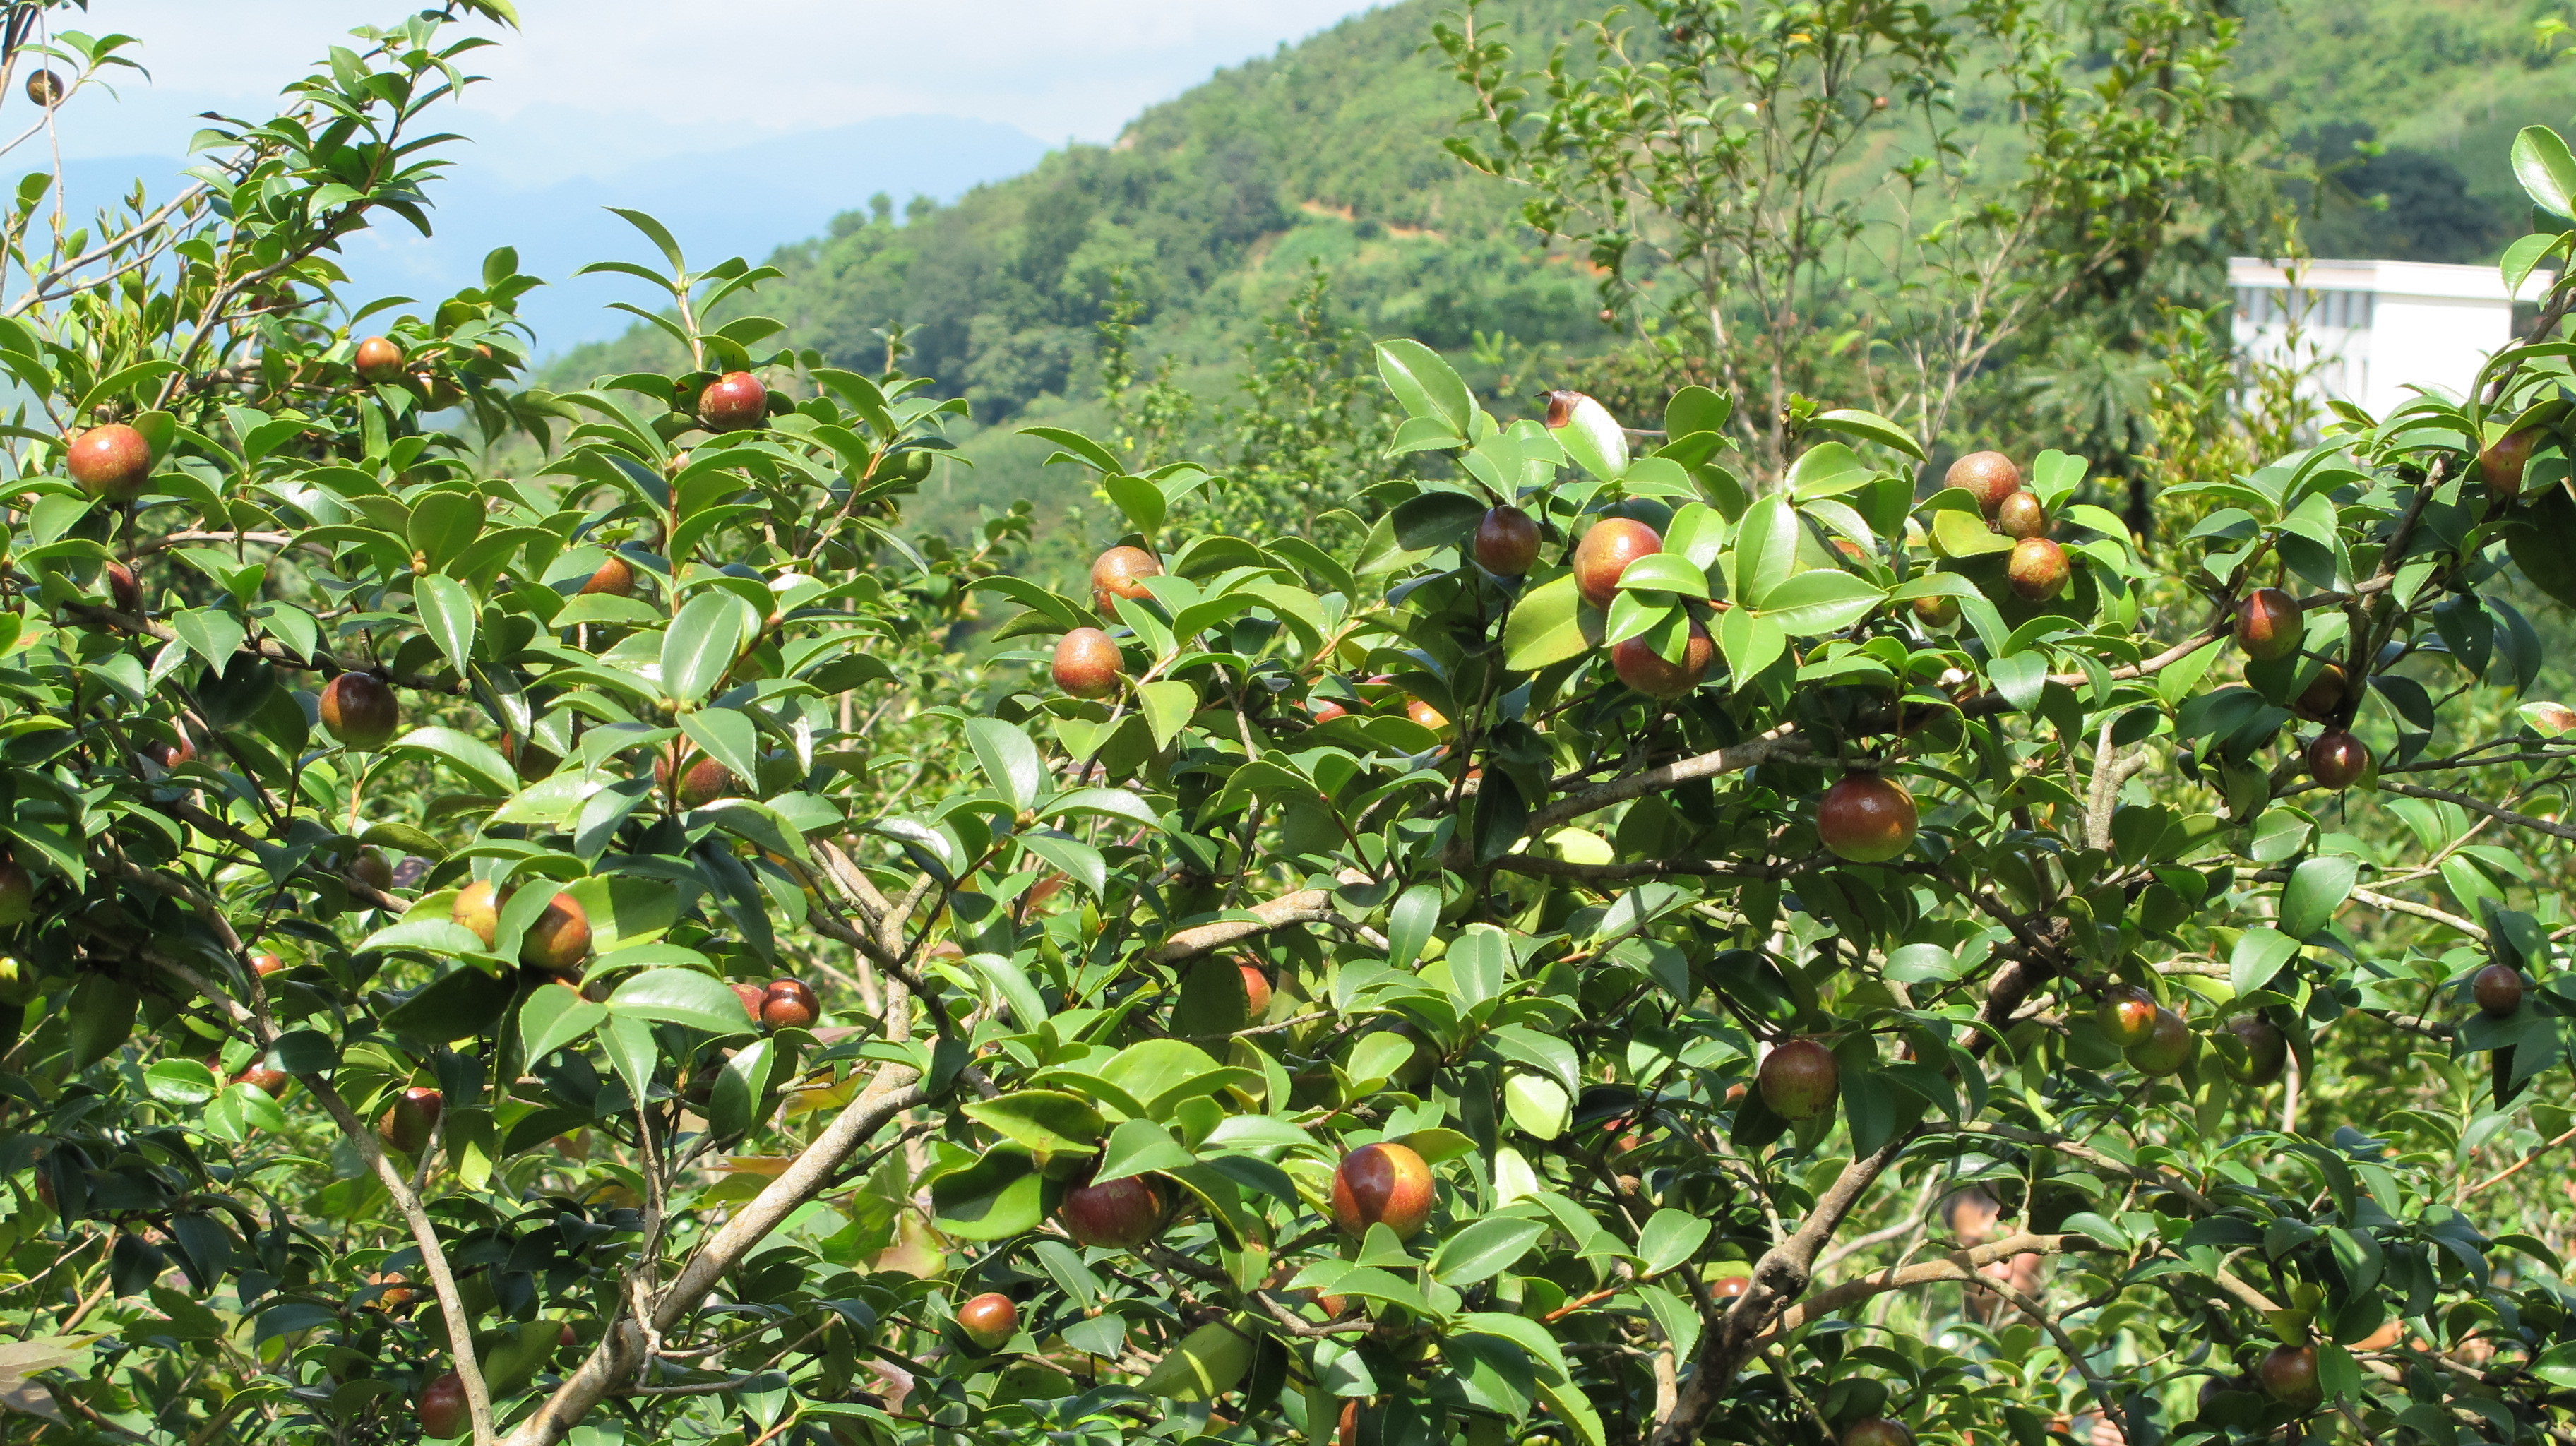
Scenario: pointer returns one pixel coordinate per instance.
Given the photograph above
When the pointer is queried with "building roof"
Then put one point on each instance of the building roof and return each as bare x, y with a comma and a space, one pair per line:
2385, 278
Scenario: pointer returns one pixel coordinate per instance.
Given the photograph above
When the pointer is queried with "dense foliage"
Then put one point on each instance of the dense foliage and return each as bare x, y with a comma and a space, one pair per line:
1620, 952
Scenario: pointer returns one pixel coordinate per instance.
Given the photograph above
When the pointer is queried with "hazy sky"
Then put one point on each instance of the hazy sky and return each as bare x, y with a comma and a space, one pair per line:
591, 86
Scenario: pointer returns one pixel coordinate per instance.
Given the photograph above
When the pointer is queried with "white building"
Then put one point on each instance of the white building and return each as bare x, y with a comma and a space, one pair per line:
2375, 328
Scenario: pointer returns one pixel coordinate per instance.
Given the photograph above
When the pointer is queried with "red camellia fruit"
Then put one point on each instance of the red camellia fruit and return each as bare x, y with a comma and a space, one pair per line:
732, 402
2269, 624
790, 1004
2337, 759
1382, 1184
2289, 1376
2126, 1016
407, 1122
989, 1320
1326, 710
1507, 542
2267, 1052
1088, 664
360, 711
1605, 552
1936, 612
17, 894
1256, 991
2501, 462
2498, 989
441, 1410
378, 359
2021, 516
1876, 1431
1799, 1079
1649, 672
1120, 572
264, 965
110, 462
1729, 1287
615, 577
702, 782
1120, 1215
560, 938
1866, 819
2166, 1049
1426, 715
1989, 476
2037, 569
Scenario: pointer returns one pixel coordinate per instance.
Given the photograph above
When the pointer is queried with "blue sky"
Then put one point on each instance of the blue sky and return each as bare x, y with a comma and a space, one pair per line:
743, 123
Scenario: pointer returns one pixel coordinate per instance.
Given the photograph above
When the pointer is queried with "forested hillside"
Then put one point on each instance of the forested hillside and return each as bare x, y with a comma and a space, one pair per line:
1214, 204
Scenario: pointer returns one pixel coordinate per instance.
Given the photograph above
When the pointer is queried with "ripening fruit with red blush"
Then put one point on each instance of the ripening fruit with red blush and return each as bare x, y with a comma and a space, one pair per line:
615, 578
2337, 759
360, 711
2498, 989
1088, 664
2021, 516
732, 402
2323, 696
1649, 672
2037, 569
1121, 572
1936, 612
442, 1411
122, 590
1604, 554
2166, 1049
1990, 477
1426, 715
407, 1122
2267, 1051
2501, 463
2289, 1376
1876, 1431
1256, 991
1799, 1080
989, 1320
790, 1004
702, 782
559, 939
1507, 541
2269, 624
1119, 1215
111, 462
1382, 1184
1866, 819
2126, 1016
1326, 710
378, 359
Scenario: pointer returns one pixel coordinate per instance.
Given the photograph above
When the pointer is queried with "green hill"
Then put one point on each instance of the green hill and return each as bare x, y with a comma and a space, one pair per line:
1215, 202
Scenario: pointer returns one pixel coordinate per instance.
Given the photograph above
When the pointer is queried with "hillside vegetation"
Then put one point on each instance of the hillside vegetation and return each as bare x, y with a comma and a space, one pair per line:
1214, 206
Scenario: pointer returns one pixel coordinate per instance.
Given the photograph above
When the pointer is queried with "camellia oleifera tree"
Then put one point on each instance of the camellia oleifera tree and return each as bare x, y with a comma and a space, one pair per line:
582, 956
